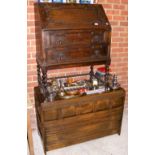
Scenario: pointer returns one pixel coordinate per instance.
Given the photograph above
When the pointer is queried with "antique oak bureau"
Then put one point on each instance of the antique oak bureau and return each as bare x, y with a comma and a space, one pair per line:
74, 35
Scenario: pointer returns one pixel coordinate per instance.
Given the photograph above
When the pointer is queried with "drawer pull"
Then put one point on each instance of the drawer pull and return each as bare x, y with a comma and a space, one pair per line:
97, 52
92, 33
60, 57
96, 23
59, 42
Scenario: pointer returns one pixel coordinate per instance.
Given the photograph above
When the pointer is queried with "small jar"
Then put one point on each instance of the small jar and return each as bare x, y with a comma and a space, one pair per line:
94, 83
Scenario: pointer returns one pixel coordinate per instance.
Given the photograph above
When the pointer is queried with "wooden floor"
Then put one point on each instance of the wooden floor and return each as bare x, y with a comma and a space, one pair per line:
110, 145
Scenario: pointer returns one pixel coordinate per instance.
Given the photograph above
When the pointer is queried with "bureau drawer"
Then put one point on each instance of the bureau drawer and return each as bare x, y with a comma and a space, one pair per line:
72, 45
72, 38
76, 54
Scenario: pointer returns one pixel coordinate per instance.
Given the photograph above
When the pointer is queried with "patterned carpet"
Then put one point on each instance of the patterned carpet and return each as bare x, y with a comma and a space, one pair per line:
110, 145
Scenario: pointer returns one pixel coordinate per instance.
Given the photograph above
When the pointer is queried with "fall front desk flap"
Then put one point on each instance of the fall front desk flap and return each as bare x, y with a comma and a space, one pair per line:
73, 35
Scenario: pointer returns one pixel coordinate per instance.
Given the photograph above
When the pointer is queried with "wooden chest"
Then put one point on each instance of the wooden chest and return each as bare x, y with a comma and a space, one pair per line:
75, 35
67, 122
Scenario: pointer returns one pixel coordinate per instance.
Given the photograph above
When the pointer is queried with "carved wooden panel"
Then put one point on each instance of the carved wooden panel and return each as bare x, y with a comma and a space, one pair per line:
82, 107
101, 105
68, 111
50, 115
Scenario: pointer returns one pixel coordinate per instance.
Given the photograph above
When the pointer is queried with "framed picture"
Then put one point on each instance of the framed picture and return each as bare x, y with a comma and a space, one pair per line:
86, 1
41, 1
57, 1
71, 1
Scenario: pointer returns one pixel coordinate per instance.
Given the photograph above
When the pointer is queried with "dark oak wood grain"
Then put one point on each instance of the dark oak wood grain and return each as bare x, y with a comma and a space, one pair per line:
72, 121
74, 35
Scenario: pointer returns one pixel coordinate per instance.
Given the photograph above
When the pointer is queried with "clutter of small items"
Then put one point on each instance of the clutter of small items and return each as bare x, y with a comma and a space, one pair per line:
75, 85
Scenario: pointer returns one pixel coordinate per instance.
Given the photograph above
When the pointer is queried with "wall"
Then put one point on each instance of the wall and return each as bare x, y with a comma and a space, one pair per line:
117, 12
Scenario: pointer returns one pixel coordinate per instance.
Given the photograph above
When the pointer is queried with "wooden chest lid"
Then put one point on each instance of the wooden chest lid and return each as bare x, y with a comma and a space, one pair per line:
72, 16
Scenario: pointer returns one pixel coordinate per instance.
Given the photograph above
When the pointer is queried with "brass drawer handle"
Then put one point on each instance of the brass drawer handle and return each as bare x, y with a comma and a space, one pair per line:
92, 33
96, 24
59, 42
60, 57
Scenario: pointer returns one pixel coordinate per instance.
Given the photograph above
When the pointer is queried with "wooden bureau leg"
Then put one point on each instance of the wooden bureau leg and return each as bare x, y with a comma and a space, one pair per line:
44, 78
44, 82
39, 74
91, 73
106, 77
